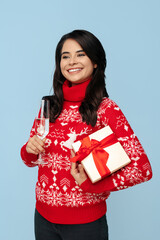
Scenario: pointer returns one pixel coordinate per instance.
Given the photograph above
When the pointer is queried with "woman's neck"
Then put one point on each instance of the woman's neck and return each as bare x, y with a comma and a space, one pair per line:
75, 93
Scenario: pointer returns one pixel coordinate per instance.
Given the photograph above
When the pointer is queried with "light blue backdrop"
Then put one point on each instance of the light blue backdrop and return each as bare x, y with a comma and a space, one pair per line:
130, 33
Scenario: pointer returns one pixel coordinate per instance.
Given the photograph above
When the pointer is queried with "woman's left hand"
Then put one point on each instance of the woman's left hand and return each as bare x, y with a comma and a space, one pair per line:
77, 171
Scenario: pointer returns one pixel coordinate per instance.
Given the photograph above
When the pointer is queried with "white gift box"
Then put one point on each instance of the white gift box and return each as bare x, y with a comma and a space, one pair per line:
116, 160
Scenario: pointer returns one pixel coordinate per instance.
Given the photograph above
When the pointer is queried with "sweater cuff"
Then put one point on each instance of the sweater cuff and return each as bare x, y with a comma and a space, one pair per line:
86, 185
104, 185
27, 157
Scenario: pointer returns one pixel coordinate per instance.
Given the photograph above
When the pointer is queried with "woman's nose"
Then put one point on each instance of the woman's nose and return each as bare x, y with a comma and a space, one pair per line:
73, 60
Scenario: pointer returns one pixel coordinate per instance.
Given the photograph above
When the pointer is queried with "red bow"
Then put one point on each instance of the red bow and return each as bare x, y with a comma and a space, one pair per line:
100, 156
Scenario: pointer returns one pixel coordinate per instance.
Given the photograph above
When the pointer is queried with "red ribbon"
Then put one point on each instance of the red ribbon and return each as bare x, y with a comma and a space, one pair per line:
100, 156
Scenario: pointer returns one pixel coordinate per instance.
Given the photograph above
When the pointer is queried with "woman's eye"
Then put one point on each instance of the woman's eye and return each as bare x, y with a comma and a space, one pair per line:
81, 55
65, 57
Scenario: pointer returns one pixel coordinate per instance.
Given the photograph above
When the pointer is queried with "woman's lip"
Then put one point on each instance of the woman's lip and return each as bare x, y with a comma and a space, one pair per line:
72, 70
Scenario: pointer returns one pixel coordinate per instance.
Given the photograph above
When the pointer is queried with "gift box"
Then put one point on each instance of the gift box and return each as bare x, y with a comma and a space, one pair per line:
100, 154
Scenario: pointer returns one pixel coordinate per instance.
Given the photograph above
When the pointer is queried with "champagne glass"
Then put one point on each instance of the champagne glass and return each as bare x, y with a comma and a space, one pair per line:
42, 125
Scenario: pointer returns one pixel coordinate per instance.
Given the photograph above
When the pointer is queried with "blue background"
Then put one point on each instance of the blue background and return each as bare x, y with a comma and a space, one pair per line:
29, 32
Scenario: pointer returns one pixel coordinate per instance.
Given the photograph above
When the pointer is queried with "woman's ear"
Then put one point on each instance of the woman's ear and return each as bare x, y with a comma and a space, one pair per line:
95, 65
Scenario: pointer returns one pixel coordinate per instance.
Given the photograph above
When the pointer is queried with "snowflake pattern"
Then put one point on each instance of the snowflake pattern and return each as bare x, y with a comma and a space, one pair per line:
74, 199
133, 147
133, 175
71, 115
56, 161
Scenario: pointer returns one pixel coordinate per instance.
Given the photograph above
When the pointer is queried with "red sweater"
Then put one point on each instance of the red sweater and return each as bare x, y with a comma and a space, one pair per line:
58, 197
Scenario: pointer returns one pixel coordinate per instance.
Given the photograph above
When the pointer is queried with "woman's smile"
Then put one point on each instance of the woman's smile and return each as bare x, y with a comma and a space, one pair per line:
74, 70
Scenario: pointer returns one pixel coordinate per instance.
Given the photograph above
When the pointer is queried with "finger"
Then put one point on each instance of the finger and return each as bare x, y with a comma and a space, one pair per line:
34, 145
82, 173
30, 150
74, 169
73, 166
81, 169
34, 152
40, 141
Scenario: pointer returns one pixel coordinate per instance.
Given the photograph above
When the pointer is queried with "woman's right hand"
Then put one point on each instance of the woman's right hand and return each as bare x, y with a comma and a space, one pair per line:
35, 145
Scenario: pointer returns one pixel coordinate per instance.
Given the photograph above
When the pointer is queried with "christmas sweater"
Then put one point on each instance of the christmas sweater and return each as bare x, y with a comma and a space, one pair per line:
59, 198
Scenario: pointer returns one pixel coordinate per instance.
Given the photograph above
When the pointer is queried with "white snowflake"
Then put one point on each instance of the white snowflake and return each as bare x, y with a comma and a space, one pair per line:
133, 148
54, 198
133, 175
71, 115
56, 161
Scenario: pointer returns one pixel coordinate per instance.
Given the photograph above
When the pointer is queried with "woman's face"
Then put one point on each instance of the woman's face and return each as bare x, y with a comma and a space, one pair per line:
75, 65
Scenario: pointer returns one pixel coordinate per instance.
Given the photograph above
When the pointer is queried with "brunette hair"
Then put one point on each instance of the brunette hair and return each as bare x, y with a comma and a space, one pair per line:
96, 89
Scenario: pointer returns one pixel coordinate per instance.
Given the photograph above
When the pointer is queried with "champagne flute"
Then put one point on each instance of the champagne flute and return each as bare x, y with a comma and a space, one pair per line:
42, 125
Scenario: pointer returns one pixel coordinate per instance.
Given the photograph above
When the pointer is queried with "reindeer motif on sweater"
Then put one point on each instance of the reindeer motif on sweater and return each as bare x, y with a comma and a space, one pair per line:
72, 138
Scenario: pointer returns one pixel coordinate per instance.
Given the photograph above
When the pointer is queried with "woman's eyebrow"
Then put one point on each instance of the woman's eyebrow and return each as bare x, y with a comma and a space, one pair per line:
80, 51
64, 53
69, 52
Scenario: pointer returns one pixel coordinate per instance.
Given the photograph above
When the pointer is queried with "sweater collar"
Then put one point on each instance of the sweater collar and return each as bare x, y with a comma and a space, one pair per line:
75, 93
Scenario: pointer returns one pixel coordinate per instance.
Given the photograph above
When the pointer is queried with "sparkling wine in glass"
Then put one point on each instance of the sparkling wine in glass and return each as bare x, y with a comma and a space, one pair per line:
42, 125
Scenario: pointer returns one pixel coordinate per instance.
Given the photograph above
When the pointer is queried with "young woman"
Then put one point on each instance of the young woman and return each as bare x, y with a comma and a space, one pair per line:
68, 205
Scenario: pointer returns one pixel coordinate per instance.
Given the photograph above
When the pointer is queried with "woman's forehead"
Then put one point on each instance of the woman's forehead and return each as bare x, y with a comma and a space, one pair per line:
71, 45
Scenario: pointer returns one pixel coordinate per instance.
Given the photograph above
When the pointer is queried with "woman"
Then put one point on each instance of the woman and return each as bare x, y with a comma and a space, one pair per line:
68, 205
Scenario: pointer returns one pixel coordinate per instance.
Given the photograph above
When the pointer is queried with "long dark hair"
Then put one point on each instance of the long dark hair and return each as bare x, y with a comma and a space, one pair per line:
96, 89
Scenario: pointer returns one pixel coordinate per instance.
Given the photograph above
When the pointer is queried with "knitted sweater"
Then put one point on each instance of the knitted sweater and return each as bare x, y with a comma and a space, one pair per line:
59, 198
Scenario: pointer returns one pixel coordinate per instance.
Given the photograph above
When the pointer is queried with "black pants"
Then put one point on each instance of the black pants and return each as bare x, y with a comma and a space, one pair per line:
45, 230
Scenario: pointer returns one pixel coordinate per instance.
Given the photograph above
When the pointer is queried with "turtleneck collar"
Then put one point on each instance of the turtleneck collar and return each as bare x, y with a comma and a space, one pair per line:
75, 93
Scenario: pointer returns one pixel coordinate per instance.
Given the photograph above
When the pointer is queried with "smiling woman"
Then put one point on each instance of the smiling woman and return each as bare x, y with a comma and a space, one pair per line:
68, 205
75, 64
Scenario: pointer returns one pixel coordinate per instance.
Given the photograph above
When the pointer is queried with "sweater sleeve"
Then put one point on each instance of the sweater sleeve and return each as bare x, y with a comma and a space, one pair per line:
29, 158
138, 170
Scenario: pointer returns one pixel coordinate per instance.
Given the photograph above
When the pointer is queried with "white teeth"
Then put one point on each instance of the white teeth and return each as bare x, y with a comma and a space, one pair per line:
74, 70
